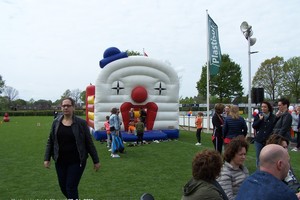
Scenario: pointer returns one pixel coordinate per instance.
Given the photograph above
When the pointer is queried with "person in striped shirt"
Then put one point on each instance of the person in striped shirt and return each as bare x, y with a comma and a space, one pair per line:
234, 172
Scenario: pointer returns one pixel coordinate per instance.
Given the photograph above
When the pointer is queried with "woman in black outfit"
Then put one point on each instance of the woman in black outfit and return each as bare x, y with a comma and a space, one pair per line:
218, 121
69, 144
263, 124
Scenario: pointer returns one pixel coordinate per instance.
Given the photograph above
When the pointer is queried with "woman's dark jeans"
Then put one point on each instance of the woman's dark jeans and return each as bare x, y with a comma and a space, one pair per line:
69, 176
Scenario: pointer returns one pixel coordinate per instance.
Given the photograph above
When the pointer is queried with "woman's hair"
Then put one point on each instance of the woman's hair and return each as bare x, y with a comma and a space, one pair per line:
219, 108
207, 165
277, 139
200, 113
284, 101
114, 110
270, 107
234, 146
234, 112
70, 99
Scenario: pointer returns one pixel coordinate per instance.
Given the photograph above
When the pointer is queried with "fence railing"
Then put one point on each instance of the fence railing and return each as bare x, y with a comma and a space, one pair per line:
189, 122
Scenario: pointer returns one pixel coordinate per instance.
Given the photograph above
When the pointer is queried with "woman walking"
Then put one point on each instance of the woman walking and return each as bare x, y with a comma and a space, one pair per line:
69, 144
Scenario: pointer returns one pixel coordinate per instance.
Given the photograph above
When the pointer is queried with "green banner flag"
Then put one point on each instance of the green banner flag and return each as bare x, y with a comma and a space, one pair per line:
214, 47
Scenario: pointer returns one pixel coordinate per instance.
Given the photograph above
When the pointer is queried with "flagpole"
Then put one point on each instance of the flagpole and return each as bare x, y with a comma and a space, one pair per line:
207, 77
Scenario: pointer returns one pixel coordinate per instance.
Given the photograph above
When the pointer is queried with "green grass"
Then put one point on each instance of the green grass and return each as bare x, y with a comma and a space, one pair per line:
160, 169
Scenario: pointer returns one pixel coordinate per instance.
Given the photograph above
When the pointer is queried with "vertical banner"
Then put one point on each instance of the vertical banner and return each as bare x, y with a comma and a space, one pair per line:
214, 47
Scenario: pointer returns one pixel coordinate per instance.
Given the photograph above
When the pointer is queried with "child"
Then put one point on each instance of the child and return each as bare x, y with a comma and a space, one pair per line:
106, 125
139, 127
198, 123
131, 127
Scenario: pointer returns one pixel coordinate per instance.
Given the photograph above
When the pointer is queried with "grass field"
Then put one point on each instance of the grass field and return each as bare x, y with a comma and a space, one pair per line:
158, 168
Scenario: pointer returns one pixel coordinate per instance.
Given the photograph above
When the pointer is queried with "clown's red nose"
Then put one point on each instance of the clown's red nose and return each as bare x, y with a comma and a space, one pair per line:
139, 94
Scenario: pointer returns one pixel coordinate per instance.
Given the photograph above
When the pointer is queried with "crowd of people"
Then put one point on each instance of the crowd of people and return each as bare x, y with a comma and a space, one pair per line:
214, 175
274, 178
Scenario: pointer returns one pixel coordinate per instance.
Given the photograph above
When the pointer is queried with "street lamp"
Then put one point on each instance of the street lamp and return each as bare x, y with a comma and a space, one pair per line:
247, 32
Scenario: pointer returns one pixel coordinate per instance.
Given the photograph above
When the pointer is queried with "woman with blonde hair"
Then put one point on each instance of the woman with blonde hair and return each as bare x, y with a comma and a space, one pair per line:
234, 125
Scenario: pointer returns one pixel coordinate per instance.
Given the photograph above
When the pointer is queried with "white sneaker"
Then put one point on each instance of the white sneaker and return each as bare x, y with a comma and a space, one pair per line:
109, 149
294, 149
198, 144
115, 156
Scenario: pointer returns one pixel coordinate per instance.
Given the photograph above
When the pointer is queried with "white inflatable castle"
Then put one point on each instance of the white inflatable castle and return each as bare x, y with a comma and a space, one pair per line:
137, 82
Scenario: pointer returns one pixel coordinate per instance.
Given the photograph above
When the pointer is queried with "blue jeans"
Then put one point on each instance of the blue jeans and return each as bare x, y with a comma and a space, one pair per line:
69, 176
258, 148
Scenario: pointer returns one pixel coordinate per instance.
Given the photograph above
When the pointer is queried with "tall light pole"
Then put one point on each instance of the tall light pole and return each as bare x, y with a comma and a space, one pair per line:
247, 32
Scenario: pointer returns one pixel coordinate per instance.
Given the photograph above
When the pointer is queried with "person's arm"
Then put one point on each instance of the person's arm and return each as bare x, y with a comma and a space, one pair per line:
298, 195
244, 127
257, 122
225, 128
286, 124
226, 183
49, 148
91, 149
217, 122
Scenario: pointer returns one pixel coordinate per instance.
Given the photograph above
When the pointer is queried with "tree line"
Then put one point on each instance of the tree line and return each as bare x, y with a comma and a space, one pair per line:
9, 99
278, 78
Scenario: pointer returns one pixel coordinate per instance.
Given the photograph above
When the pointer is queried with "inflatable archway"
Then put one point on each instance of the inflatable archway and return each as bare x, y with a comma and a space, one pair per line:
136, 82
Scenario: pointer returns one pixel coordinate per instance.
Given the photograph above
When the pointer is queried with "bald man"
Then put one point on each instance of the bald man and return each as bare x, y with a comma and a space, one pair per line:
267, 184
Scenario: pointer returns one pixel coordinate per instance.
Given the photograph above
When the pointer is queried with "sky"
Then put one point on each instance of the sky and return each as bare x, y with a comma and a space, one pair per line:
49, 46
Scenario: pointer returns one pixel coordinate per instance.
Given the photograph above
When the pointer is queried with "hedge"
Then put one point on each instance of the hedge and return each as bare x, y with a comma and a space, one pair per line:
36, 113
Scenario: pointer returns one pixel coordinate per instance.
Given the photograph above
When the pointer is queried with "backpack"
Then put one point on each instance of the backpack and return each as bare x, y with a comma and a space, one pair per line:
117, 145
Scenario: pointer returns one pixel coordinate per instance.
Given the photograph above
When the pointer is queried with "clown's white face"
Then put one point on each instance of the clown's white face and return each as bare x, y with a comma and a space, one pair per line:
140, 83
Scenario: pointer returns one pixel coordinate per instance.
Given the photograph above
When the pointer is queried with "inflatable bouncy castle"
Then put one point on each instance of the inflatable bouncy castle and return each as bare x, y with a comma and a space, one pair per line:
138, 83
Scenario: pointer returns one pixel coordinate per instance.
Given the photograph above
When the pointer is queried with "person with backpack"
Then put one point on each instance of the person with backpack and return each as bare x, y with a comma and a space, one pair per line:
114, 125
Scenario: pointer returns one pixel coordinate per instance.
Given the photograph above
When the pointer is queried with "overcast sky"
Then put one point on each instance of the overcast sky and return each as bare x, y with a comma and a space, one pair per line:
49, 46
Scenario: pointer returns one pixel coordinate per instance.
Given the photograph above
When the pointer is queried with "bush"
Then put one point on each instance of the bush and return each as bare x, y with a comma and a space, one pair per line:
36, 113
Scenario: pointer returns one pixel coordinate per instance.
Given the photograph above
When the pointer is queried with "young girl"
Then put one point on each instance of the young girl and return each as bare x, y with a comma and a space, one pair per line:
106, 125
198, 123
131, 127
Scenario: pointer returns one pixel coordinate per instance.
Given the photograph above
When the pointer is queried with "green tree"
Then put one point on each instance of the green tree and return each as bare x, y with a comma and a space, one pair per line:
83, 96
187, 100
11, 93
19, 103
31, 101
291, 79
226, 84
2, 84
269, 76
75, 94
42, 104
66, 94
4, 103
